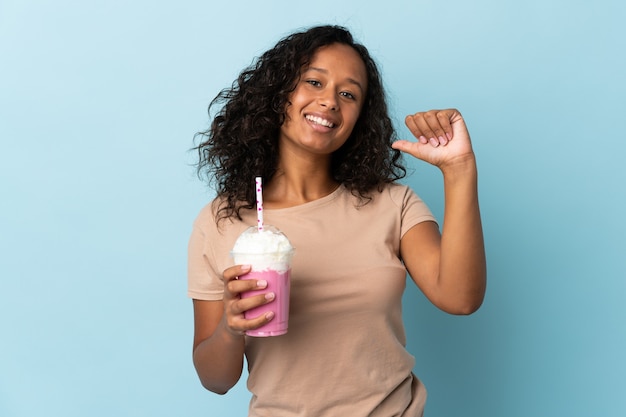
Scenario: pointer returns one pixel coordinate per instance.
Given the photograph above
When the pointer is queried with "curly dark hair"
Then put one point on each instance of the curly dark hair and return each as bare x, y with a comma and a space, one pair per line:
242, 142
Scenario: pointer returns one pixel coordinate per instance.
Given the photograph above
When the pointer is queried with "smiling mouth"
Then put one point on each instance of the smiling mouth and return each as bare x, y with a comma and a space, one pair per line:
320, 121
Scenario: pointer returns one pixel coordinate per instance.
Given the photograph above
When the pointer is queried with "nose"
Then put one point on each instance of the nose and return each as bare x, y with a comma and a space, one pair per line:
328, 99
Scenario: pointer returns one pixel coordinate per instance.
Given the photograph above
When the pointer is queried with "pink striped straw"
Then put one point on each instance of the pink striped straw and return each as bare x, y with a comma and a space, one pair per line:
259, 203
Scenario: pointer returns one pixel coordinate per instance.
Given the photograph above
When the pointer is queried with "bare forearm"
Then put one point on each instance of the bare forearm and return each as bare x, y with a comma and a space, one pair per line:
462, 273
219, 360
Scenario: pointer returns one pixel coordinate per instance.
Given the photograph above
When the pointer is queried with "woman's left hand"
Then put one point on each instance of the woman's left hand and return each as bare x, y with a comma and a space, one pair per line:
442, 138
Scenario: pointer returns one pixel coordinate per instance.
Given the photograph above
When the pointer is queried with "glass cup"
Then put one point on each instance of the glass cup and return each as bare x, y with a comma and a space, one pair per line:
269, 254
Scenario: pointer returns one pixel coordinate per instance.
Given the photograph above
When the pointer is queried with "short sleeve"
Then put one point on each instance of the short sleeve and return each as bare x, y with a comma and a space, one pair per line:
203, 280
414, 210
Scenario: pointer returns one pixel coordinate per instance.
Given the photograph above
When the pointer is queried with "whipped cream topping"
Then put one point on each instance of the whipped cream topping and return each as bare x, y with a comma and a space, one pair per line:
266, 249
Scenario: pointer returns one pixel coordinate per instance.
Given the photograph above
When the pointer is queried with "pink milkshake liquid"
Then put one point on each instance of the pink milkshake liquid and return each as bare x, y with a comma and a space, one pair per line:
269, 253
278, 283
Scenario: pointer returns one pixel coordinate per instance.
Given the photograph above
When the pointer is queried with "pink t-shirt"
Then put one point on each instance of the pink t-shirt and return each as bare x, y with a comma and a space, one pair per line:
344, 353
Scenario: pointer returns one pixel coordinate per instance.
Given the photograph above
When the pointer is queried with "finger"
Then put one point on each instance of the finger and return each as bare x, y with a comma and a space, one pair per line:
415, 129
237, 321
259, 321
240, 326
236, 287
234, 272
232, 284
248, 303
444, 118
435, 127
421, 123
401, 145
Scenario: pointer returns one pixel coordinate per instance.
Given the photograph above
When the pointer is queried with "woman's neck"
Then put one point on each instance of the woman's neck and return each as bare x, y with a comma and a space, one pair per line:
298, 182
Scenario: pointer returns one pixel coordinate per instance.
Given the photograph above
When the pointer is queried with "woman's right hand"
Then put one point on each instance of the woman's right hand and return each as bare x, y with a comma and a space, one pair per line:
235, 306
219, 326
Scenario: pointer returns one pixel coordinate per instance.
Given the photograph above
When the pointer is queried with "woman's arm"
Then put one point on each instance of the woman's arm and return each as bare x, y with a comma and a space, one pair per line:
450, 268
217, 353
219, 326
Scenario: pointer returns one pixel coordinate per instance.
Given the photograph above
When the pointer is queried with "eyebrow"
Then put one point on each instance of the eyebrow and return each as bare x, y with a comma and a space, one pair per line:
350, 80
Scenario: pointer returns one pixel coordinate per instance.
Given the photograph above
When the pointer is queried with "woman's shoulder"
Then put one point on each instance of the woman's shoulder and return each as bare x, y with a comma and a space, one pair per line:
397, 188
386, 196
209, 210
397, 192
400, 196
206, 218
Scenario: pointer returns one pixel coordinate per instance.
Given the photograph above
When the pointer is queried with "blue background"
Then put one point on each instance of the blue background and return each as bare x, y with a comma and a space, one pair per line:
99, 102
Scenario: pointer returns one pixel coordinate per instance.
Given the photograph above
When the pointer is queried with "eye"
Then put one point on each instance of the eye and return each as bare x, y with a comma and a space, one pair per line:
348, 95
314, 83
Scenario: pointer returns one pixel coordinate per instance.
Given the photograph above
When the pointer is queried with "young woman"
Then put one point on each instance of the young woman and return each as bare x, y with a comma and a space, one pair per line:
310, 118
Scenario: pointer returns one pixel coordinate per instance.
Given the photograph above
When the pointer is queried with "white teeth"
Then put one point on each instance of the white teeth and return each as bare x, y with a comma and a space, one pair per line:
320, 121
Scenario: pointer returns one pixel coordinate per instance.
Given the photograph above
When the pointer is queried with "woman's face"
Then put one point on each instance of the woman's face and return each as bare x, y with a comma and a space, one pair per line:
326, 102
